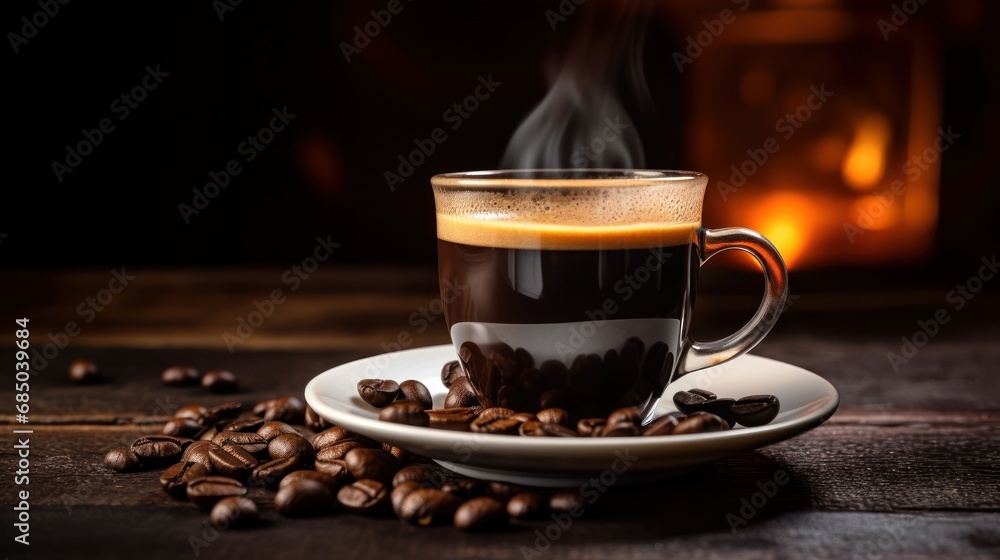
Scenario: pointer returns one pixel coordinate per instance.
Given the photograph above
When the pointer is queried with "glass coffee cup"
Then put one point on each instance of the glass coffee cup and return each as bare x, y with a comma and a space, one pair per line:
574, 288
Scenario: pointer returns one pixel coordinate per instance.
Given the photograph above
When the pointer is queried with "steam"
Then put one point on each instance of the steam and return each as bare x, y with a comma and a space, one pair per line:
581, 122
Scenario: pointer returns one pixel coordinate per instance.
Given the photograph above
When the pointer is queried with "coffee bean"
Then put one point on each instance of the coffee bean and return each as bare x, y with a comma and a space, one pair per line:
414, 473
400, 492
121, 459
206, 492
197, 452
461, 394
269, 474
700, 400
402, 456
234, 512
543, 429
588, 427
336, 468
527, 505
623, 422
704, 393
221, 412
337, 451
180, 376
331, 436
450, 372
220, 381
663, 426
291, 445
175, 479
232, 461
157, 450
480, 514
314, 421
251, 424
271, 430
405, 411
504, 491
553, 416
192, 411
496, 420
568, 501
700, 422
465, 488
428, 506
82, 370
249, 441
364, 496
457, 419
303, 498
755, 410
371, 463
284, 409
184, 427
554, 398
378, 392
415, 390
333, 482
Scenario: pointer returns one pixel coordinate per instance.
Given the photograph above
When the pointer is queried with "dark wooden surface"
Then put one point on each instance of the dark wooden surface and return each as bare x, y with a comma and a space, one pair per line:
909, 467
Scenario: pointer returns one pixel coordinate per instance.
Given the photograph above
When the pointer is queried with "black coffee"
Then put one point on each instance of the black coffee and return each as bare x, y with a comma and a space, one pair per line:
566, 318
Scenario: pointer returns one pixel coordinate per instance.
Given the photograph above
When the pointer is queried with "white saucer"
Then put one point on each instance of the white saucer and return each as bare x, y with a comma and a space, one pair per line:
806, 401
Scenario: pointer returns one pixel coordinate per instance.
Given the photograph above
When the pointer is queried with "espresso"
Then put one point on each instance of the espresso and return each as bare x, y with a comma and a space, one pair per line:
586, 319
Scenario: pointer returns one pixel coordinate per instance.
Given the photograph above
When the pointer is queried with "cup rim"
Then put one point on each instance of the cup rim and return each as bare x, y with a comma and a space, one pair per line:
566, 177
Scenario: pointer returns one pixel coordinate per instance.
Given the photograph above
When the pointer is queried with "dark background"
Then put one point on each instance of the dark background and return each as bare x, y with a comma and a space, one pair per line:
324, 174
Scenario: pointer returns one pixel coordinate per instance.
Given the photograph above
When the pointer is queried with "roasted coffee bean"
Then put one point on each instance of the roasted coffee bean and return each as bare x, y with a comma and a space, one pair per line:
465, 488
224, 411
157, 450
197, 452
553, 416
251, 424
401, 455
623, 422
314, 421
220, 381
400, 492
121, 459
527, 505
371, 463
663, 426
452, 418
207, 491
405, 411
232, 461
303, 498
700, 400
705, 393
480, 514
175, 479
450, 372
337, 468
461, 394
271, 473
332, 482
192, 411
364, 496
590, 426
180, 376
700, 422
183, 427
414, 473
234, 512
428, 506
504, 491
568, 501
415, 390
543, 429
496, 420
378, 392
82, 370
284, 409
337, 451
330, 436
554, 398
292, 445
755, 410
249, 441
520, 416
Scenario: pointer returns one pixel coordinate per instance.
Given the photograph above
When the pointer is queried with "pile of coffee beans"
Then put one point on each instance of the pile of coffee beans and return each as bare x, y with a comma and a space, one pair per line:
216, 380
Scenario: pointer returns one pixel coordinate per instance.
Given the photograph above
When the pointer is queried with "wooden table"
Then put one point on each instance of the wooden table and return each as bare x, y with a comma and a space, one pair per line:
908, 467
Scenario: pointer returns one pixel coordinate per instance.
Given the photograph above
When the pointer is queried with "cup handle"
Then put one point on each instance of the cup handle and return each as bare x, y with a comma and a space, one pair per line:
698, 355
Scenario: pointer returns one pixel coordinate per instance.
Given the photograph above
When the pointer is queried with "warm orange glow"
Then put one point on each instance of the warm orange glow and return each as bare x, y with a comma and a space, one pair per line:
873, 213
757, 86
828, 152
785, 218
865, 163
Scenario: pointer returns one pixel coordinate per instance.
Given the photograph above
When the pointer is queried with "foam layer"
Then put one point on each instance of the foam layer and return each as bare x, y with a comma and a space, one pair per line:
533, 235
